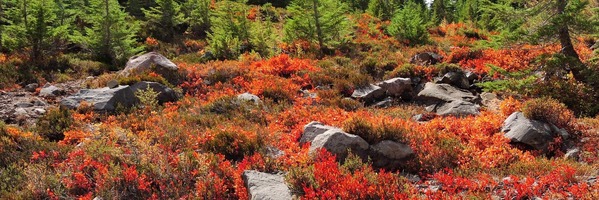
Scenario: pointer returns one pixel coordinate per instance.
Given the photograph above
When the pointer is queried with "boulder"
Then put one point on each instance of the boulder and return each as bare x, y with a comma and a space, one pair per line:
338, 143
427, 58
102, 99
249, 97
369, 94
385, 103
265, 186
165, 94
457, 108
397, 87
112, 84
457, 79
444, 93
536, 134
445, 99
138, 64
51, 91
313, 129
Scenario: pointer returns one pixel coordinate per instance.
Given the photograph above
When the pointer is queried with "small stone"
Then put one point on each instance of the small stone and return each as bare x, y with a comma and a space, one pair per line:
572, 154
24, 105
31, 87
249, 97
39, 111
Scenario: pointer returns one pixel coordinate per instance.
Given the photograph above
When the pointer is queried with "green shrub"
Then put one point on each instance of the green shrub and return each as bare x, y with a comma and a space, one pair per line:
349, 104
234, 146
373, 133
8, 74
143, 77
277, 95
52, 125
408, 24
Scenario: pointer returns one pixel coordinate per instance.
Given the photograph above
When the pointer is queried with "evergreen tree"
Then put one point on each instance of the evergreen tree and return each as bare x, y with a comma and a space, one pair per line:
321, 21
163, 19
442, 10
34, 24
111, 36
230, 30
384, 9
198, 15
409, 24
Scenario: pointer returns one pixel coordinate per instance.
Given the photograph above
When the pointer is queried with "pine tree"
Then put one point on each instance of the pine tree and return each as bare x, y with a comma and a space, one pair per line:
198, 15
34, 24
321, 21
230, 30
164, 18
111, 36
442, 10
409, 24
384, 9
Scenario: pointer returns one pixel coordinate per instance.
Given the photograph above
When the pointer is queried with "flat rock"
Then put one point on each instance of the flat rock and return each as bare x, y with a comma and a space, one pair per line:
51, 91
102, 99
444, 93
265, 186
457, 108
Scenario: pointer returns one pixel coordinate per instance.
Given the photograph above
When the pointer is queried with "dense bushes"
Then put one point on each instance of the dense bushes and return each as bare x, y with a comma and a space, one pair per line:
408, 24
52, 125
549, 110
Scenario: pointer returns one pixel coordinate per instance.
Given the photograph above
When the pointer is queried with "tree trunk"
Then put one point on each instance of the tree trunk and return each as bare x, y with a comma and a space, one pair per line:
318, 28
566, 42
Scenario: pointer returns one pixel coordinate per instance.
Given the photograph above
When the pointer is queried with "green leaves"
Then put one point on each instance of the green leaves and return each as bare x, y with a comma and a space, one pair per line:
408, 24
163, 19
321, 21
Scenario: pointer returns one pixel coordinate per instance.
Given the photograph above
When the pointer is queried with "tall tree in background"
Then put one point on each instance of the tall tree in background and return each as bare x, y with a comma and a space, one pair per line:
230, 30
34, 24
384, 9
409, 24
164, 18
321, 21
198, 16
111, 36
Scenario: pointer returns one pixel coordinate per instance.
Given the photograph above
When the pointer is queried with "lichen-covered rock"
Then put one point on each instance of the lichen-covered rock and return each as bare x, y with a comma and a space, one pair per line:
265, 186
445, 100
313, 129
249, 97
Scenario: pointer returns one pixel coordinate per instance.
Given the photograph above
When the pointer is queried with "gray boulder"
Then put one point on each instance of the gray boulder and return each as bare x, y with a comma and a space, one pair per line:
536, 134
397, 87
369, 94
444, 93
51, 91
138, 64
313, 129
445, 99
457, 108
264, 186
249, 97
457, 79
165, 94
102, 99
338, 143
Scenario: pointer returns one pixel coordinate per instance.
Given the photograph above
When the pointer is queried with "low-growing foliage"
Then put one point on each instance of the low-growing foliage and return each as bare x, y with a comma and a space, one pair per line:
52, 125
